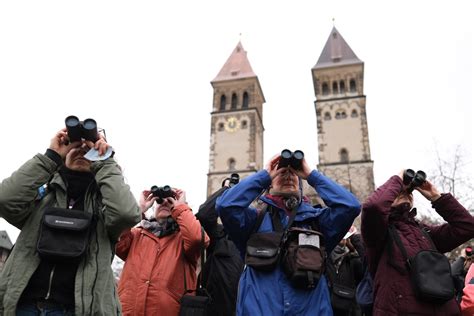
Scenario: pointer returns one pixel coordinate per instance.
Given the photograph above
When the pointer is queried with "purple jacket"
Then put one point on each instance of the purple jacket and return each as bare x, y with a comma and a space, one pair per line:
392, 289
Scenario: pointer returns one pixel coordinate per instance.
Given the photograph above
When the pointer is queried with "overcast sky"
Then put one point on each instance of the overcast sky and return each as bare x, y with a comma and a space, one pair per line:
142, 69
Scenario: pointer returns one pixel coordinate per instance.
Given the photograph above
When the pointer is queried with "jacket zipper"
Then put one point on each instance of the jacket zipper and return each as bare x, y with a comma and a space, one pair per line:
50, 282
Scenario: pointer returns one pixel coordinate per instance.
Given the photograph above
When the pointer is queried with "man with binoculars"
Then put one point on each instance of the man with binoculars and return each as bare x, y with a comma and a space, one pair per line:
267, 285
160, 255
70, 210
400, 249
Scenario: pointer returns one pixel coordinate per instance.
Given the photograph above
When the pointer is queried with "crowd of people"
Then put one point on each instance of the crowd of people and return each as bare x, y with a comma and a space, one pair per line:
256, 247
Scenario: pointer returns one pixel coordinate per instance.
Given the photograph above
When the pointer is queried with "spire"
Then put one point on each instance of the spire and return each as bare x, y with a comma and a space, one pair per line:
237, 66
336, 52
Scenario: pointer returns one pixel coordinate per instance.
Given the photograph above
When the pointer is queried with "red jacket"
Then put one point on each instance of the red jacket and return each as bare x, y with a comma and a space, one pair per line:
467, 303
152, 280
393, 293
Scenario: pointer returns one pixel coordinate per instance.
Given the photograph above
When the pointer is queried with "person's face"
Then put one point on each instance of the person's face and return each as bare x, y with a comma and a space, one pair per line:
403, 197
286, 181
163, 210
75, 159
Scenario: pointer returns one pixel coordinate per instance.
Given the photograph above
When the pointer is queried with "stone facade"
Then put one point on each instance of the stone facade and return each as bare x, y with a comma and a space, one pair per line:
343, 136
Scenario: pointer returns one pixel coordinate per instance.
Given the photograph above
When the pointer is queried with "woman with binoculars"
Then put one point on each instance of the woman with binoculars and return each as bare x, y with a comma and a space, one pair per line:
401, 251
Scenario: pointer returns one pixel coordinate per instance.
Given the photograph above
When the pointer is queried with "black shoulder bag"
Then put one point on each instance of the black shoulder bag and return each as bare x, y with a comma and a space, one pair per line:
263, 249
195, 305
430, 271
64, 234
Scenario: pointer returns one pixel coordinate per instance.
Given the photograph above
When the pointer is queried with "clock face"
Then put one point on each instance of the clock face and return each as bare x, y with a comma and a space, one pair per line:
231, 125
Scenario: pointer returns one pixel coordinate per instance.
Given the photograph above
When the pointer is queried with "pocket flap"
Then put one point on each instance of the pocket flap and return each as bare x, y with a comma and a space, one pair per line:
68, 223
343, 291
262, 252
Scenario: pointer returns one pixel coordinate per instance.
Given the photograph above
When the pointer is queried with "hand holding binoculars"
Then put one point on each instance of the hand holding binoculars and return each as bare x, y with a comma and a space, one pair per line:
289, 158
78, 130
233, 179
412, 179
162, 192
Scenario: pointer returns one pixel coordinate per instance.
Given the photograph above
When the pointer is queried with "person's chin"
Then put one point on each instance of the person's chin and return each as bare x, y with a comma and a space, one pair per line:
289, 189
81, 167
163, 214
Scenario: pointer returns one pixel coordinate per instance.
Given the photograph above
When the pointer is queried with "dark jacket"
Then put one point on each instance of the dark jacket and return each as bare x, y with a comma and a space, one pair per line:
270, 293
392, 289
347, 271
459, 275
223, 267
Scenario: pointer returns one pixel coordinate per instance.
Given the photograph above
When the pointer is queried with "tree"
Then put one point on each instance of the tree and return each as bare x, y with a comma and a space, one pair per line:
452, 175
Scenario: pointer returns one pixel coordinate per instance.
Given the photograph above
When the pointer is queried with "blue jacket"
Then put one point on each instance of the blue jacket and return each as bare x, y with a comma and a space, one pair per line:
270, 293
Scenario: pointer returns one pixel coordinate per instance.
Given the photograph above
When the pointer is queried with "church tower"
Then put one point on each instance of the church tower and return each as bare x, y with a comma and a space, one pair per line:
236, 121
343, 137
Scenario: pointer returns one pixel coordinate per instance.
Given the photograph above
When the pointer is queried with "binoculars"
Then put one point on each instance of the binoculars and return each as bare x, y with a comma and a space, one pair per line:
412, 179
78, 130
233, 179
161, 192
292, 159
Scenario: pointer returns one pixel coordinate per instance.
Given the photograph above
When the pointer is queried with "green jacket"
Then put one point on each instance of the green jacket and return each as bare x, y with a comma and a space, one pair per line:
95, 290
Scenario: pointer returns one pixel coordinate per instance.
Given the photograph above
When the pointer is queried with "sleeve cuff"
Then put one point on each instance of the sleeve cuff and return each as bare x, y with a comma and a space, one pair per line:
54, 156
180, 208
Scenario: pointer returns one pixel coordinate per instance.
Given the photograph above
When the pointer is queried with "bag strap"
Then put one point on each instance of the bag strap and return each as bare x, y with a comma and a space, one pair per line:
201, 276
424, 230
199, 283
394, 236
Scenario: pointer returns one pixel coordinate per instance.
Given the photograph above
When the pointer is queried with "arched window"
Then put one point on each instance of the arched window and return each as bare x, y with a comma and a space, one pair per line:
344, 155
223, 102
352, 84
233, 105
243, 125
354, 113
341, 114
220, 127
335, 90
245, 100
325, 88
327, 116
231, 163
342, 86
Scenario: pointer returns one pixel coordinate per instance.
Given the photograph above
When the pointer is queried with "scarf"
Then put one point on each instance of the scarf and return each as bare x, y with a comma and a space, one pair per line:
161, 227
286, 201
77, 183
338, 253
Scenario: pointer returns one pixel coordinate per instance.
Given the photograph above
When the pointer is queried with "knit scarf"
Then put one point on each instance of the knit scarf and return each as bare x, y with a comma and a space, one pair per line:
160, 227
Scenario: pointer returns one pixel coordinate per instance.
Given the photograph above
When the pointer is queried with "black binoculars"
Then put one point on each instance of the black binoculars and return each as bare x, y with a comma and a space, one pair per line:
289, 158
233, 179
161, 192
78, 130
412, 179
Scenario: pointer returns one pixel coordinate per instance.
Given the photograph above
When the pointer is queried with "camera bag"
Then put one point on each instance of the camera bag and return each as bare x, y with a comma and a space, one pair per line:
263, 249
429, 270
303, 257
64, 234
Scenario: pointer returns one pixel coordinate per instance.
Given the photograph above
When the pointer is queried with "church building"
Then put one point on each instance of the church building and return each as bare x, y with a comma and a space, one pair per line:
236, 144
